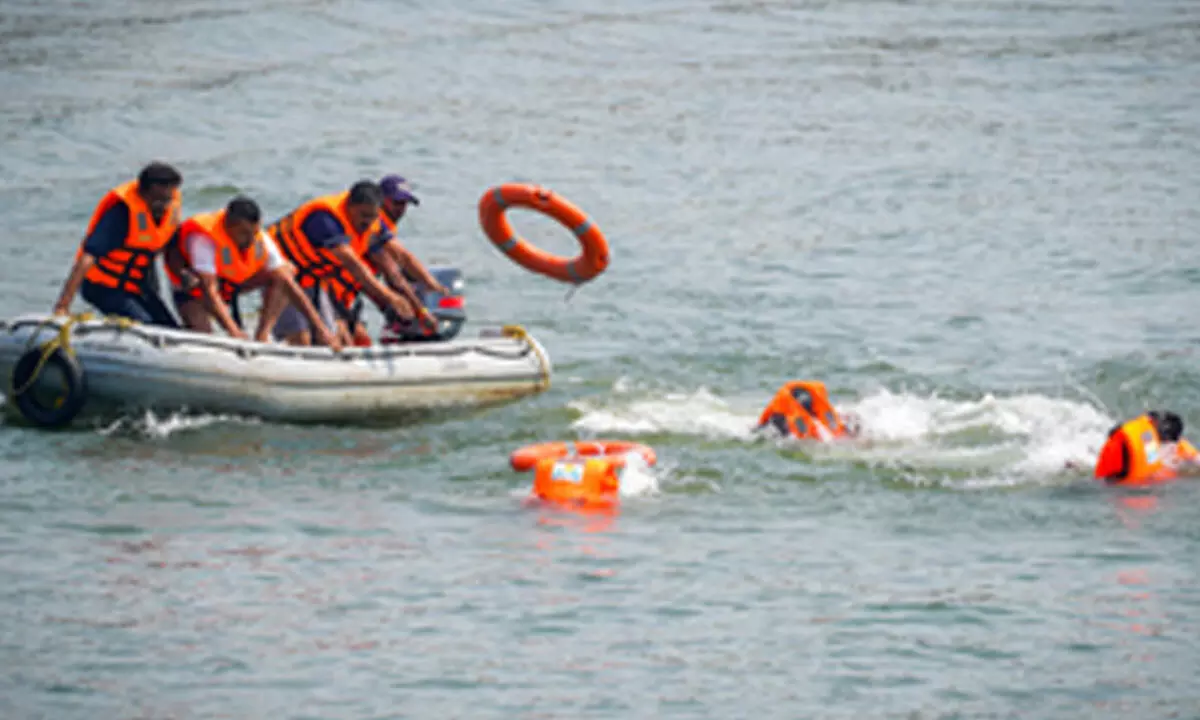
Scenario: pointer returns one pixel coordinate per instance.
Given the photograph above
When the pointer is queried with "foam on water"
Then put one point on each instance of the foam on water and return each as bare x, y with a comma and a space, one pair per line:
151, 425
699, 413
1001, 440
638, 478
995, 440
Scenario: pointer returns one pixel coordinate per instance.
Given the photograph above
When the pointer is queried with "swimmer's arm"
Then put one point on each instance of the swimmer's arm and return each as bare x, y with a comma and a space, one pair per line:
1187, 454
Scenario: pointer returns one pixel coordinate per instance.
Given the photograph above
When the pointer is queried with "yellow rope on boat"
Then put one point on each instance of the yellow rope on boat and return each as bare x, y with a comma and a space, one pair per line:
61, 341
518, 332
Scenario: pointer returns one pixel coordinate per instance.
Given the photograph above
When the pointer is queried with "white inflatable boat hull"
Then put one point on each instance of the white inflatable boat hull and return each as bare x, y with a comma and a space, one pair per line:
146, 367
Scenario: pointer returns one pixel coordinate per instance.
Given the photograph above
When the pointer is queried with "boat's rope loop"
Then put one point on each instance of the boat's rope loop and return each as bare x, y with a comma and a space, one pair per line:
518, 332
61, 342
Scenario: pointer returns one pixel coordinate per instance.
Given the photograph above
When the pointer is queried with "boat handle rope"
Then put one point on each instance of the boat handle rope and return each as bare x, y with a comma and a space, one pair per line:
61, 341
518, 332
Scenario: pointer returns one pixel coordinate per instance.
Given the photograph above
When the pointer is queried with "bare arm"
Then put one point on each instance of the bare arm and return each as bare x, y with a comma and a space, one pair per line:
73, 281
386, 259
1187, 454
410, 262
274, 302
374, 288
107, 235
216, 306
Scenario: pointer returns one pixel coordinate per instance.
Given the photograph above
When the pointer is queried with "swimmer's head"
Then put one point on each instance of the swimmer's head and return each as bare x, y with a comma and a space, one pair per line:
1168, 424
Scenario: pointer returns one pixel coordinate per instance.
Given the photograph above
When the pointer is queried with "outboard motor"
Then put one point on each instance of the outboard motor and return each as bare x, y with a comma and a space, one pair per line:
448, 311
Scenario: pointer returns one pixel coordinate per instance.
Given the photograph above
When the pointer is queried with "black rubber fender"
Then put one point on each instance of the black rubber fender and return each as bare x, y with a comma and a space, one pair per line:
68, 406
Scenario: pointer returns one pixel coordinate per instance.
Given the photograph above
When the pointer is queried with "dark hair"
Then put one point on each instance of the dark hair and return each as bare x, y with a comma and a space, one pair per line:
365, 192
243, 208
158, 174
1170, 427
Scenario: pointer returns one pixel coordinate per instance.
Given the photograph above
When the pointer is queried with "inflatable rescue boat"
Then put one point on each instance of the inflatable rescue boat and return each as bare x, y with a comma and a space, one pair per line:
54, 367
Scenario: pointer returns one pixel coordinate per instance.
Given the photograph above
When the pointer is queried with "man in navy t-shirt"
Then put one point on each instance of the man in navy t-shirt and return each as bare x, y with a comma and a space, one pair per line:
115, 265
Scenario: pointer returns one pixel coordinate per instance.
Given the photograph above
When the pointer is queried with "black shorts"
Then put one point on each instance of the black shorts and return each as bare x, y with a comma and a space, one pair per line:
352, 315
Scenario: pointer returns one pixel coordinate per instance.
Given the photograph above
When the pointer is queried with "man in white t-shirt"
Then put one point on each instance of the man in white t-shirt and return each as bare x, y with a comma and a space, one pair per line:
214, 257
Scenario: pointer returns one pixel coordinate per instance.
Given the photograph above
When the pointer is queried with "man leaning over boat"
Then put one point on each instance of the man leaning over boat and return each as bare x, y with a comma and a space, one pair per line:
215, 257
389, 259
324, 237
128, 230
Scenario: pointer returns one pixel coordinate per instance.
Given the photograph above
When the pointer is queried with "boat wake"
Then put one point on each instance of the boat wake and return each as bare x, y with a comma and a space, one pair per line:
157, 427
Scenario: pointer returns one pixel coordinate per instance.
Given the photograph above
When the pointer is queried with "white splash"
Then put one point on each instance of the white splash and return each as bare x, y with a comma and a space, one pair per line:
151, 425
637, 478
697, 413
996, 440
1024, 434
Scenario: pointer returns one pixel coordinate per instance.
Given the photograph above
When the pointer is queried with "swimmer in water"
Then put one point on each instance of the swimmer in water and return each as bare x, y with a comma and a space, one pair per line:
802, 409
1148, 448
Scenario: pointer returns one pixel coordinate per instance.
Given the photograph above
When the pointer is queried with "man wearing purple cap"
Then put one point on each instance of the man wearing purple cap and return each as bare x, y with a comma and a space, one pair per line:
396, 197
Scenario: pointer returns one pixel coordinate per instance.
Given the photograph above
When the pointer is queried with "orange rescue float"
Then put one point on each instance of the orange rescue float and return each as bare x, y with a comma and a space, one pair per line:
584, 475
802, 409
586, 266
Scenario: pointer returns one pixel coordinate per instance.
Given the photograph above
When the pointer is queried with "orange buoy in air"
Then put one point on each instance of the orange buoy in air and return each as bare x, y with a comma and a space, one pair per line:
578, 270
584, 475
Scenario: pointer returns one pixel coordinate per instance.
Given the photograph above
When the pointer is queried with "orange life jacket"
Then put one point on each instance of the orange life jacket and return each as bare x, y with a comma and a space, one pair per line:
314, 264
388, 223
127, 266
802, 409
235, 266
343, 287
1135, 454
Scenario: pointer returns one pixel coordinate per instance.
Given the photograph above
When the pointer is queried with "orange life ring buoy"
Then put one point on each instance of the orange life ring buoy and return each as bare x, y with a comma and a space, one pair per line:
584, 267
526, 458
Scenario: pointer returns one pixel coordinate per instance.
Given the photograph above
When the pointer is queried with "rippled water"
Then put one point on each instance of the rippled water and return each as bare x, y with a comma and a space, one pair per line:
975, 221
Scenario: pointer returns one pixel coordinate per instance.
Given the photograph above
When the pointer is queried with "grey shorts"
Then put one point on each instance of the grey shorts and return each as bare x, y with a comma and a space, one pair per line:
292, 321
